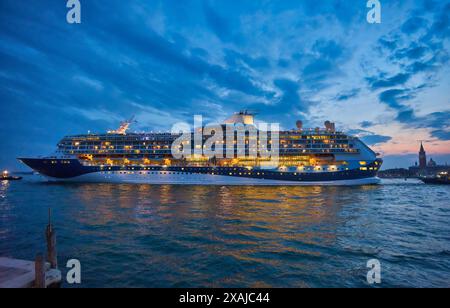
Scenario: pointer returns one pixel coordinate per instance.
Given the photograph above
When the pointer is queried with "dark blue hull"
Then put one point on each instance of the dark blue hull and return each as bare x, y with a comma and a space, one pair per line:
72, 168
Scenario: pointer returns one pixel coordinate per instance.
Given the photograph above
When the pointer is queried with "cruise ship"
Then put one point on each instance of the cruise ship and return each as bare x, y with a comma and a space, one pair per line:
317, 156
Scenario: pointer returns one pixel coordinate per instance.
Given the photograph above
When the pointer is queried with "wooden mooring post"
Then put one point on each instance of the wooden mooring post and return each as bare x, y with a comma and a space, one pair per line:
33, 274
53, 275
50, 236
39, 272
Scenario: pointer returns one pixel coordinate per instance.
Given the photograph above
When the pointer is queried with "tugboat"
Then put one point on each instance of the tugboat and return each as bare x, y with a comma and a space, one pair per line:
440, 178
7, 177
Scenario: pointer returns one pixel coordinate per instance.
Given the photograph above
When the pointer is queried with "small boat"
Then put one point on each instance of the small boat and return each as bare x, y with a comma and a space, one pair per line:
440, 178
7, 177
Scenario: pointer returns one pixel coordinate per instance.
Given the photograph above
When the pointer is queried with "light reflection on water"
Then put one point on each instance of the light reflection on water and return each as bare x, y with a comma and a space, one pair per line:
191, 236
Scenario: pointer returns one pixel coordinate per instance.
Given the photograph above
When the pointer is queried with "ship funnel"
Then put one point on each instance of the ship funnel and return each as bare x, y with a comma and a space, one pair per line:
299, 125
329, 126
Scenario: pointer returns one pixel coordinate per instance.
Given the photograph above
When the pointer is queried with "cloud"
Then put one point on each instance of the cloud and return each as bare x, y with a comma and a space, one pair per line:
328, 49
324, 62
217, 23
94, 114
438, 122
441, 134
95, 84
441, 25
234, 58
149, 117
393, 97
414, 24
398, 79
151, 44
290, 97
417, 53
369, 137
366, 124
318, 68
389, 44
375, 139
412, 52
346, 95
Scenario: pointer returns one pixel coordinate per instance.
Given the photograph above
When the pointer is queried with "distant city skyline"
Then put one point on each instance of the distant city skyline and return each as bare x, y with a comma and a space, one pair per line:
405, 161
165, 61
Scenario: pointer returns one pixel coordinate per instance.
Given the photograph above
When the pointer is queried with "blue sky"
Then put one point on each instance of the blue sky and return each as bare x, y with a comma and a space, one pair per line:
167, 60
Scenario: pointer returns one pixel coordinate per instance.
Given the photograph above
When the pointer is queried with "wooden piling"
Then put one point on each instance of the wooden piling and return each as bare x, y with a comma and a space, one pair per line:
50, 236
39, 272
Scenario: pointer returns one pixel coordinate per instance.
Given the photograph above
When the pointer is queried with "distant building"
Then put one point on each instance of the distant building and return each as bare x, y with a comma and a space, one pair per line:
425, 168
431, 163
419, 169
422, 157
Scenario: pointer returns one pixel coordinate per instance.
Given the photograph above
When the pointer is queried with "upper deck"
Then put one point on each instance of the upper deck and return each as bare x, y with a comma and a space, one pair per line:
300, 141
291, 142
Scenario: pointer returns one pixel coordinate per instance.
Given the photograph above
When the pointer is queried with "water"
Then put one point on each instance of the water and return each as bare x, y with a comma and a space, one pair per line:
206, 236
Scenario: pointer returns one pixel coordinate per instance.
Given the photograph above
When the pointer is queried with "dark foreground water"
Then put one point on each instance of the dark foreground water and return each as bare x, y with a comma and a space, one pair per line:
203, 236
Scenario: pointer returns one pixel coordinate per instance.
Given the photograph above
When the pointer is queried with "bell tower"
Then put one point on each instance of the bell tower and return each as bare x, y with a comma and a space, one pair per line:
422, 157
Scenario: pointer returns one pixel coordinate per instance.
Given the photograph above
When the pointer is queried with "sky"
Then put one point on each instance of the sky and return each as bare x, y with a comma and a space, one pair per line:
164, 61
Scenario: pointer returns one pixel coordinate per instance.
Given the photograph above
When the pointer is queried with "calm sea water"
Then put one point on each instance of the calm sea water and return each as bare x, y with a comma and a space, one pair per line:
206, 236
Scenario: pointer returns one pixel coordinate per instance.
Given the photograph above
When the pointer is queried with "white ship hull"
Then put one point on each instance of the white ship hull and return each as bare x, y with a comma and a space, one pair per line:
174, 178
